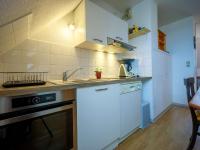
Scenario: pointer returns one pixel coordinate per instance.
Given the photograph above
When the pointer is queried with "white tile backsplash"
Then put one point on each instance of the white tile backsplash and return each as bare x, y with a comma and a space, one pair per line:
43, 48
49, 49
31, 67
34, 55
8, 67
12, 57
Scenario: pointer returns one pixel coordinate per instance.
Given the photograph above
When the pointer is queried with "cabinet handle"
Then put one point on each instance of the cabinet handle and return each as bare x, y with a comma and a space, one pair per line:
98, 40
99, 90
119, 38
132, 86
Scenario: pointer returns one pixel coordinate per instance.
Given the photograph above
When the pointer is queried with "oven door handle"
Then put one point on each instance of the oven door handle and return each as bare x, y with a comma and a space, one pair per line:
35, 115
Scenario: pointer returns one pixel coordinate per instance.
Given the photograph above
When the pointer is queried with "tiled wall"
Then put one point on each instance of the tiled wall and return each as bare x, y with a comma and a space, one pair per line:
34, 55
12, 34
41, 41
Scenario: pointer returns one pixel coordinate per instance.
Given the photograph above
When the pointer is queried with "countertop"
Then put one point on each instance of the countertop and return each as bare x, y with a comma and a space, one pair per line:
51, 86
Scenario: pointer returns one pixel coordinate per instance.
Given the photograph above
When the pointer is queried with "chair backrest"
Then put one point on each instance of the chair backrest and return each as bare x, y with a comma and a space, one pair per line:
198, 82
189, 83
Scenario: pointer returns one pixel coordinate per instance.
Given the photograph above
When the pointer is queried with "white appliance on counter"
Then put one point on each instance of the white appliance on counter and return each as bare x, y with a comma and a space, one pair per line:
130, 108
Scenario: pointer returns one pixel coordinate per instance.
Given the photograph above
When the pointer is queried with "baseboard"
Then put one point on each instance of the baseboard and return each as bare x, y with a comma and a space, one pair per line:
180, 105
162, 113
129, 134
168, 108
112, 146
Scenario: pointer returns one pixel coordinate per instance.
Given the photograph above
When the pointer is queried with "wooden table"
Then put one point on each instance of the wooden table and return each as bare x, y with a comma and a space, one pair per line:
195, 102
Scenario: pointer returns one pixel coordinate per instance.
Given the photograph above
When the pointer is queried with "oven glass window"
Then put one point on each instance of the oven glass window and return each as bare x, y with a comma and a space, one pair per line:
52, 132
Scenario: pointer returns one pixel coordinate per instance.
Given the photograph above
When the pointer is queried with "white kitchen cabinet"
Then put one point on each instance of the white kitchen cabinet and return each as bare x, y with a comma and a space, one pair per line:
130, 108
161, 74
94, 25
131, 114
91, 22
118, 29
98, 116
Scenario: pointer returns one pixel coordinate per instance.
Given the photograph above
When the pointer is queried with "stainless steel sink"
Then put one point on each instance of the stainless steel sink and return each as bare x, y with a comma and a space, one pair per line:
60, 82
87, 80
71, 82
80, 81
97, 80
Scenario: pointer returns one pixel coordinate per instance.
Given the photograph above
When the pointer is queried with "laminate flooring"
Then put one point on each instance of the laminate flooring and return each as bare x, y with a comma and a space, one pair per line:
171, 132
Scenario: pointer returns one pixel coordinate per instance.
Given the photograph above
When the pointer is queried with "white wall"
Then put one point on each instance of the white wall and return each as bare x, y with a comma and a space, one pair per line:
180, 44
151, 61
143, 43
51, 49
143, 53
161, 68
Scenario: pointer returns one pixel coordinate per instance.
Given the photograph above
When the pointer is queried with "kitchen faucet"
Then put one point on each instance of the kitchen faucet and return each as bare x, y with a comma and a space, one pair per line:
66, 76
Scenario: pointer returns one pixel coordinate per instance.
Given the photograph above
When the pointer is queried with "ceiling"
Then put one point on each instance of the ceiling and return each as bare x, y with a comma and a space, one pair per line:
122, 5
22, 19
168, 10
172, 10
43, 11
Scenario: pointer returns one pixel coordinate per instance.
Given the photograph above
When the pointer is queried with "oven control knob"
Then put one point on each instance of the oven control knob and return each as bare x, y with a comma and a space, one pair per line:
36, 100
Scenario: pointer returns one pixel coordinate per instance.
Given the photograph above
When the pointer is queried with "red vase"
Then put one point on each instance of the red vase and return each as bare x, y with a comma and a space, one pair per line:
98, 75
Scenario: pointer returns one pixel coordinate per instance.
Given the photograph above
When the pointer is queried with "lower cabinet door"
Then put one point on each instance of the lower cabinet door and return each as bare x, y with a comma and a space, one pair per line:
130, 112
98, 116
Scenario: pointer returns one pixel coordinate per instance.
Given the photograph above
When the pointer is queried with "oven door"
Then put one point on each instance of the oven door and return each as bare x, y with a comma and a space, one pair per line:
49, 129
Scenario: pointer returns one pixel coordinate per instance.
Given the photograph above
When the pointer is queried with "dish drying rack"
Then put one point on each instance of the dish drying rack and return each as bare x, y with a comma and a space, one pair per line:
21, 79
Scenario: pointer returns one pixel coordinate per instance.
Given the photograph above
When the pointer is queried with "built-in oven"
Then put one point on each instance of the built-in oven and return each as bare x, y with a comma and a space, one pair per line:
43, 121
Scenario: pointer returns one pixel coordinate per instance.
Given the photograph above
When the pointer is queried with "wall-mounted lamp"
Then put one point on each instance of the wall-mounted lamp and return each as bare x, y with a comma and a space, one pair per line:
68, 30
71, 27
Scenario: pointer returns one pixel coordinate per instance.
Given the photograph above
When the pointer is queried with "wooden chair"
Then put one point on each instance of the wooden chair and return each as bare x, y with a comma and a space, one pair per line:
190, 83
198, 81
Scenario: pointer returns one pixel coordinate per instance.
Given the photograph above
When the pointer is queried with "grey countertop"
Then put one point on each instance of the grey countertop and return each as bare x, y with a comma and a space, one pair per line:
54, 86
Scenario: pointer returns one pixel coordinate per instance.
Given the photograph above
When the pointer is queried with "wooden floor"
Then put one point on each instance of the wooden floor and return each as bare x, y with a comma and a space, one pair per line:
170, 132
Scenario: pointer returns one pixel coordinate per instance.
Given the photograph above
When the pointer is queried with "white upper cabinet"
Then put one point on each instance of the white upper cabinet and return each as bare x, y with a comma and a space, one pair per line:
118, 29
94, 25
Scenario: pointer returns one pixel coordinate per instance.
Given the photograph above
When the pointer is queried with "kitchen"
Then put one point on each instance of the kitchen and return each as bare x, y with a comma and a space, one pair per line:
75, 75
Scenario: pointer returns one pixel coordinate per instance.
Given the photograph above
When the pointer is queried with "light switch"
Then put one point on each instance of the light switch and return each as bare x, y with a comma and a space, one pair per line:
187, 63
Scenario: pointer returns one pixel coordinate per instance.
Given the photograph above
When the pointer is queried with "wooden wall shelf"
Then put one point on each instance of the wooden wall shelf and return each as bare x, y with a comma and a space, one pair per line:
139, 33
